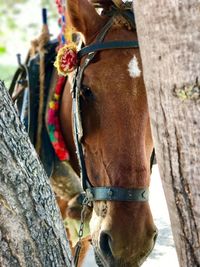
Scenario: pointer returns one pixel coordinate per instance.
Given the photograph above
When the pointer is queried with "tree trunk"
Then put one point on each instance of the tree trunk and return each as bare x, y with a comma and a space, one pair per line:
31, 231
169, 38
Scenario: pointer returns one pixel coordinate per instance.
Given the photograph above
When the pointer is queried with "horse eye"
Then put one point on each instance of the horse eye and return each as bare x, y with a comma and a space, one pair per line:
86, 92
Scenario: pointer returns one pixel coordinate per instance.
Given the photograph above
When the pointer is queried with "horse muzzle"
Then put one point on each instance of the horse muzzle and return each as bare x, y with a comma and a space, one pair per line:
123, 234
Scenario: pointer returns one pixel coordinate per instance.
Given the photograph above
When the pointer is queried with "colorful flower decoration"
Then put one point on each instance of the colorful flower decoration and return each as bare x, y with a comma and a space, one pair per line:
59, 6
53, 122
66, 60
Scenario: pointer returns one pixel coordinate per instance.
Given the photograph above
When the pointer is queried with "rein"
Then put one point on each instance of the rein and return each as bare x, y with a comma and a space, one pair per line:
91, 193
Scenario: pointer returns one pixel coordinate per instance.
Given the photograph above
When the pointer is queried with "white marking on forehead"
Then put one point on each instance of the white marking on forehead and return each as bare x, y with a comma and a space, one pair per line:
133, 68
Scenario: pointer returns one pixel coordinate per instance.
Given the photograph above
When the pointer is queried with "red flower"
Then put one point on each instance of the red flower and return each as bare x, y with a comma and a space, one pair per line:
66, 60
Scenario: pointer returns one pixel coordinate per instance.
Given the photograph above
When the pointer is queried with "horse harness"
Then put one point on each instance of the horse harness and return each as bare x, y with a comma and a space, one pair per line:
109, 193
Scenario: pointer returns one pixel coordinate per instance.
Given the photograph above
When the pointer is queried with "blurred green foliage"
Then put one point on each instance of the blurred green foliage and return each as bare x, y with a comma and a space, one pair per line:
6, 73
2, 50
10, 10
21, 22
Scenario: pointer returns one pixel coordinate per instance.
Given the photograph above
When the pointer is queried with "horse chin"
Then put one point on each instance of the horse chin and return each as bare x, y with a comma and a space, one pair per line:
109, 260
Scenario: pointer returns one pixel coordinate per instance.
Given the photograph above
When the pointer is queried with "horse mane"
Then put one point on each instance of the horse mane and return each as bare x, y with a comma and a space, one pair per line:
107, 3
102, 3
120, 21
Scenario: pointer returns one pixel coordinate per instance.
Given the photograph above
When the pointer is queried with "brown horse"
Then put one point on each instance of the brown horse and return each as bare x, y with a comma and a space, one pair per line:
117, 142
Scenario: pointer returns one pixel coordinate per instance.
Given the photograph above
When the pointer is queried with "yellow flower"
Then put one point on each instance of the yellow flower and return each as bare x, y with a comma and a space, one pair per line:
56, 96
52, 104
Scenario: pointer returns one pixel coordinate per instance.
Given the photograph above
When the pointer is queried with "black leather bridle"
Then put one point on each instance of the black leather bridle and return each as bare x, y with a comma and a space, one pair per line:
100, 193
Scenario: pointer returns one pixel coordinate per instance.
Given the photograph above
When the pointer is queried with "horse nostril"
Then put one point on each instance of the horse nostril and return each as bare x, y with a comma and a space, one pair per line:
105, 243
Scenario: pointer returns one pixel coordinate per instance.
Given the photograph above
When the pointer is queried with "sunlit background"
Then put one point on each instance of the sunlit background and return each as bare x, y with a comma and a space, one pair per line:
21, 22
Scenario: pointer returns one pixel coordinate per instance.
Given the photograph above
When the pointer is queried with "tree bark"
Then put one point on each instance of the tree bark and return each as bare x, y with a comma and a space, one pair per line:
31, 231
169, 39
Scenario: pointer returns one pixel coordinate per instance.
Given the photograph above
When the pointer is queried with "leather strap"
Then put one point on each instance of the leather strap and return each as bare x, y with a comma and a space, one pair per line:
107, 45
98, 193
117, 194
77, 121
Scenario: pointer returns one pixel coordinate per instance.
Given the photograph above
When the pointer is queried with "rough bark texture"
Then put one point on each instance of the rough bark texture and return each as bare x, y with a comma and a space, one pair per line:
169, 38
31, 231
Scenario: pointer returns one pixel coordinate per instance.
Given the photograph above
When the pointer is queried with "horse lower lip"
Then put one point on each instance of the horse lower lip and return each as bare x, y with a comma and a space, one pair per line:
109, 261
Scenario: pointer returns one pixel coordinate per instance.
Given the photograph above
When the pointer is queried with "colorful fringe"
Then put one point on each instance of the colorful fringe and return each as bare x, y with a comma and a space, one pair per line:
53, 122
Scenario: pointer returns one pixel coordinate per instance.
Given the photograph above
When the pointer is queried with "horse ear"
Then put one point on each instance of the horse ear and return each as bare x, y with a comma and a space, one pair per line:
83, 17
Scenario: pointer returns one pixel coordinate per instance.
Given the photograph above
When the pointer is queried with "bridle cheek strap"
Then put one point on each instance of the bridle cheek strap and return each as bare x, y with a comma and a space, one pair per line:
91, 193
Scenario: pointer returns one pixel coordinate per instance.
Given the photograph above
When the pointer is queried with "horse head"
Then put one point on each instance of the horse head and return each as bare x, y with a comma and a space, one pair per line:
117, 142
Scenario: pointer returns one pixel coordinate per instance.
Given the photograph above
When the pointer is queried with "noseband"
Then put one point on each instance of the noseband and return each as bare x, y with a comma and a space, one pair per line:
100, 193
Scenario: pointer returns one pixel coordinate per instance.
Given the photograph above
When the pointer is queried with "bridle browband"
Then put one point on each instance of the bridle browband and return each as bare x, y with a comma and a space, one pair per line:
91, 193
106, 46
